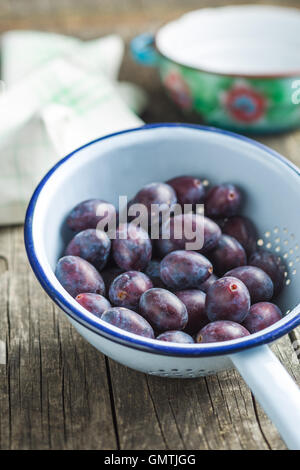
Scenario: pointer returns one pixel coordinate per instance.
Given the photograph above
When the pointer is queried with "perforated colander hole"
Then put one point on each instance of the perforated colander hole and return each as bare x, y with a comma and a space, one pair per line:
285, 230
291, 264
275, 229
294, 272
164, 373
286, 242
297, 259
267, 234
292, 236
291, 251
260, 242
285, 255
277, 249
269, 245
287, 282
205, 182
297, 247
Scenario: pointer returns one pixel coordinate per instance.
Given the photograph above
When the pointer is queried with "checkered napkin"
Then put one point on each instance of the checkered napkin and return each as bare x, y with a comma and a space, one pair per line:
57, 93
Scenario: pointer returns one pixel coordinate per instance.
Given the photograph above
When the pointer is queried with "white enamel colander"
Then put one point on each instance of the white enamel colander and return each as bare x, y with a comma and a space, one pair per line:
120, 164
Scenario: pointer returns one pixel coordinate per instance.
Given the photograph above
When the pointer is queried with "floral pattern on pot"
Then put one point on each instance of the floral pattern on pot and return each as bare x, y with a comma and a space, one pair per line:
178, 89
245, 104
237, 103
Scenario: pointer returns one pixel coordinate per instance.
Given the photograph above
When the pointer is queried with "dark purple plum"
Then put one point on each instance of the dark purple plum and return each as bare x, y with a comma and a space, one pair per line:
228, 254
132, 248
163, 310
153, 272
127, 288
88, 214
95, 303
92, 245
184, 269
194, 300
128, 320
243, 230
109, 274
206, 284
221, 331
227, 299
78, 276
160, 194
223, 200
179, 230
262, 315
175, 336
212, 235
189, 190
191, 227
258, 283
272, 264
220, 221
156, 193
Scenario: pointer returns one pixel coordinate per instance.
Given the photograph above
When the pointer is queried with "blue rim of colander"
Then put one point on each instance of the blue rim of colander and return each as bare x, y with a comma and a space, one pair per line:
115, 334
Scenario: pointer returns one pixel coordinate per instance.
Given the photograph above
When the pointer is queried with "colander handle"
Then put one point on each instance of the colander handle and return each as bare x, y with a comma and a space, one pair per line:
275, 390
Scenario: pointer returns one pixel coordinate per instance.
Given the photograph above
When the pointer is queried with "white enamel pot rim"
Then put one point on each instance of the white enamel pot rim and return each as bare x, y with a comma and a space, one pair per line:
270, 382
45, 275
235, 40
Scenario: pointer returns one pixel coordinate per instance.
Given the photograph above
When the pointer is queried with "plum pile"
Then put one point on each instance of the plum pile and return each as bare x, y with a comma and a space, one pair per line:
157, 288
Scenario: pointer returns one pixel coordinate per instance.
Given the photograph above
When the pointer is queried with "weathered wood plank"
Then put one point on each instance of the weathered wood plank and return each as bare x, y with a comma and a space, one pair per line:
90, 18
137, 424
5, 418
215, 412
54, 391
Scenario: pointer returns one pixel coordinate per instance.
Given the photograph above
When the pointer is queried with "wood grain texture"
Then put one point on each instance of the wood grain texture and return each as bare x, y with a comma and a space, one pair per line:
209, 413
213, 412
56, 391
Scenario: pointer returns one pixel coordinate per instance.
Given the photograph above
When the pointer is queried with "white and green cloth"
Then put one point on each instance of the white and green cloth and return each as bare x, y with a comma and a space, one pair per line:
59, 93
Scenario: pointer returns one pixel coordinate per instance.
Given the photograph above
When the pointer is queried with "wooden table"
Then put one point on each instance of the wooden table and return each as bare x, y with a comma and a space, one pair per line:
56, 391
